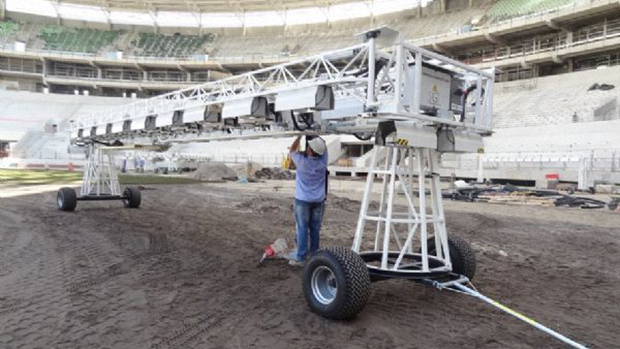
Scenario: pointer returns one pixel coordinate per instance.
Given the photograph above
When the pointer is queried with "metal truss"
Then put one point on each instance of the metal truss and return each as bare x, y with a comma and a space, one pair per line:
100, 177
340, 69
386, 81
391, 250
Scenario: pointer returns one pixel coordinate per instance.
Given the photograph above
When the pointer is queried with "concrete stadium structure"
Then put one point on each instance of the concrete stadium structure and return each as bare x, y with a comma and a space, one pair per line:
547, 55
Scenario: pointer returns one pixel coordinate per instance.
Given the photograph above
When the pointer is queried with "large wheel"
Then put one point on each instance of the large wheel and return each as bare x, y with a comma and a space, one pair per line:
336, 283
66, 199
132, 197
461, 255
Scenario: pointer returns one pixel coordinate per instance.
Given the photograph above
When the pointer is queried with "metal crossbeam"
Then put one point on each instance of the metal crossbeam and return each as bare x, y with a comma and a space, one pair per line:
389, 82
339, 69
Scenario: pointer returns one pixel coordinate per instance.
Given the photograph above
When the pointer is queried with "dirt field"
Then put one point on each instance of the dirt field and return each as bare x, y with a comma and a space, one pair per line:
180, 272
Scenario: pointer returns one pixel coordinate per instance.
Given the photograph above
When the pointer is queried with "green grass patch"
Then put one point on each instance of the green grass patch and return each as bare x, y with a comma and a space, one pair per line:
41, 177
38, 177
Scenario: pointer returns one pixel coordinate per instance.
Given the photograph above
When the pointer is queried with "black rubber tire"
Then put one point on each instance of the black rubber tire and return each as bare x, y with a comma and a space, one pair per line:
352, 280
66, 199
462, 255
133, 197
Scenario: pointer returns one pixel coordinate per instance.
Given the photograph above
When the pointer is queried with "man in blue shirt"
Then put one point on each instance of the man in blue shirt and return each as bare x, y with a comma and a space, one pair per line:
310, 191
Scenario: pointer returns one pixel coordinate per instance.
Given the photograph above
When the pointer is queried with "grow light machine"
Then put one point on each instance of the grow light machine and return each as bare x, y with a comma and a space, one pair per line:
417, 104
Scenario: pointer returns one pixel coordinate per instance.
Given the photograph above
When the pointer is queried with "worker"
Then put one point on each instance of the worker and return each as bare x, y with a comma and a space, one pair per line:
310, 192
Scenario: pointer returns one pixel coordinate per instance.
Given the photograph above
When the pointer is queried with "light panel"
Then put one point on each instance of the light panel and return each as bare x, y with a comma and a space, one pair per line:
35, 7
263, 19
305, 16
382, 7
348, 11
221, 20
136, 18
79, 12
177, 19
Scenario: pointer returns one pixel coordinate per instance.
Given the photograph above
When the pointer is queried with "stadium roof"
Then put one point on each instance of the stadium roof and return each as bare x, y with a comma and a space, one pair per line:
207, 5
210, 13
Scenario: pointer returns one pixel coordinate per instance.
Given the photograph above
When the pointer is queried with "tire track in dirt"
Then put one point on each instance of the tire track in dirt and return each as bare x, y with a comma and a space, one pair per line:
190, 332
179, 273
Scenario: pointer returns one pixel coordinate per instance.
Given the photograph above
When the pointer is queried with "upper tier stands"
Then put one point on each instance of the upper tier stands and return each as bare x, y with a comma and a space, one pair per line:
300, 43
295, 40
57, 38
177, 45
555, 99
270, 41
505, 9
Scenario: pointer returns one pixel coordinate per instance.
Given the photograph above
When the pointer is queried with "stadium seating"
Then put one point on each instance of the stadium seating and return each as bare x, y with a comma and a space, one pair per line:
7, 30
59, 38
22, 111
554, 99
449, 22
177, 45
312, 42
42, 145
505, 9
234, 46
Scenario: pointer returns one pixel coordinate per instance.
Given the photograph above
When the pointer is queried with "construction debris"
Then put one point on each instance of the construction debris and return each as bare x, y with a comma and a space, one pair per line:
509, 194
279, 249
614, 204
273, 173
246, 170
214, 171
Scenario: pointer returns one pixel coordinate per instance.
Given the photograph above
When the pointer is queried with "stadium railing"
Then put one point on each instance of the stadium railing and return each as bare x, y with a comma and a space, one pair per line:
599, 32
490, 23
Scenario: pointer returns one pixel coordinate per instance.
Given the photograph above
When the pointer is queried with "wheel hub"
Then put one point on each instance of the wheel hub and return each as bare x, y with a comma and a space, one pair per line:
324, 285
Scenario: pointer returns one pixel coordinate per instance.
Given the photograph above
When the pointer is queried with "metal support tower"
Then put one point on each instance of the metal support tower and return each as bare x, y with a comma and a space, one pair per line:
100, 175
399, 247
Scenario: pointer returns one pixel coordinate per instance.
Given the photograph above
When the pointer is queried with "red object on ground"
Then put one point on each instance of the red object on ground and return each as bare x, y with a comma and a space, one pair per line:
552, 176
269, 251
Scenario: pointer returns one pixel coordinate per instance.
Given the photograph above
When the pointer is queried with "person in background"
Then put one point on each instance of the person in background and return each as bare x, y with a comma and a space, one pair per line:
310, 193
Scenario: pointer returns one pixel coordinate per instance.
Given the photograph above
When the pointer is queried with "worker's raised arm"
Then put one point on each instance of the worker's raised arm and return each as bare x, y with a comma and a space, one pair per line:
295, 145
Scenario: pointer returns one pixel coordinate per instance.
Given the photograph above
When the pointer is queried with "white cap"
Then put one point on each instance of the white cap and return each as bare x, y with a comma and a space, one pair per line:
317, 145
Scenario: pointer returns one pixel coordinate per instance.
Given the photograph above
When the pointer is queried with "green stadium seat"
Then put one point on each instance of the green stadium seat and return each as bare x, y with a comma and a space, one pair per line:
59, 38
8, 28
506, 9
178, 45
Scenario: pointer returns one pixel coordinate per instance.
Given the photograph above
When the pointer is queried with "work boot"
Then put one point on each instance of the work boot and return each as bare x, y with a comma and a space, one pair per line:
295, 263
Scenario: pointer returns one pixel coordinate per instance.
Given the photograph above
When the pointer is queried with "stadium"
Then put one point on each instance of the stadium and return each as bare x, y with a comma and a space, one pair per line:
505, 114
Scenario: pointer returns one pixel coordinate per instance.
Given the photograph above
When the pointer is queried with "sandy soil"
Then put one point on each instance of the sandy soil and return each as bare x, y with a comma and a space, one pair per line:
180, 272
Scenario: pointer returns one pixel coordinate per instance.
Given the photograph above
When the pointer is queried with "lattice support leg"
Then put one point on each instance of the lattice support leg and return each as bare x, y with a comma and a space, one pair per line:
401, 239
100, 176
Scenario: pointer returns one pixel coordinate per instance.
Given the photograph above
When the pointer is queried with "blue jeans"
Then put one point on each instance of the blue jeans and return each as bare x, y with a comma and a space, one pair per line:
308, 217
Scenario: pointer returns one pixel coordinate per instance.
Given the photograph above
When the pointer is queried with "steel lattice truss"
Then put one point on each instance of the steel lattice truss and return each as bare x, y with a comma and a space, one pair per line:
387, 82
